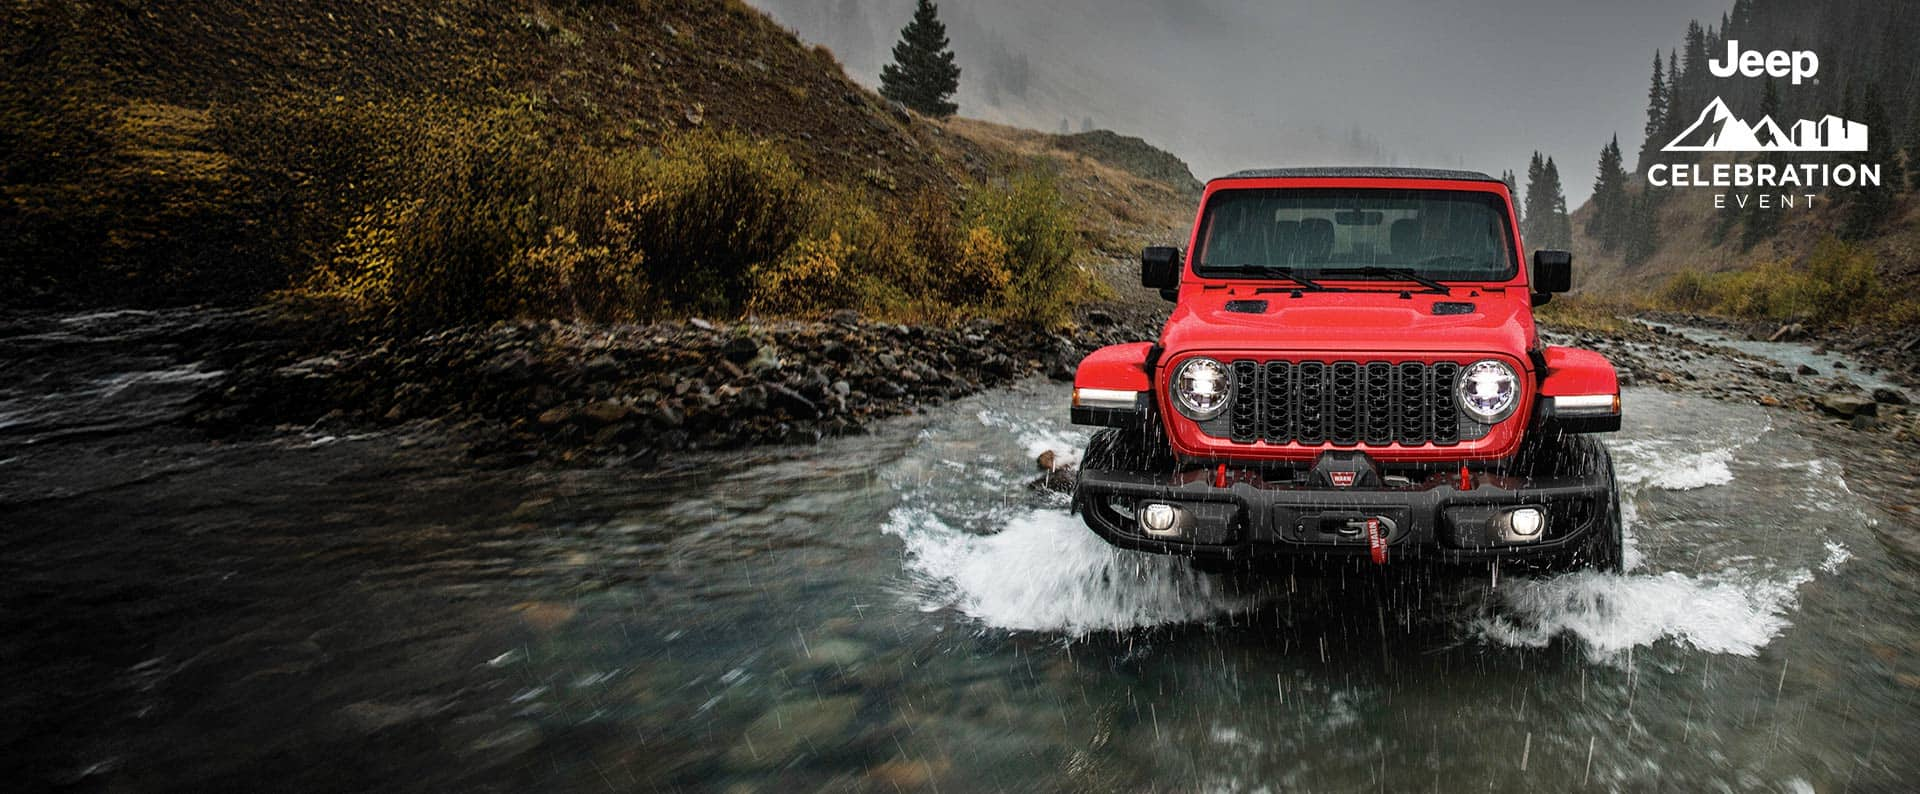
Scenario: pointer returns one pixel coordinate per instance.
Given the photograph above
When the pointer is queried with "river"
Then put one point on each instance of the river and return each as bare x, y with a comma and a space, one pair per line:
313, 611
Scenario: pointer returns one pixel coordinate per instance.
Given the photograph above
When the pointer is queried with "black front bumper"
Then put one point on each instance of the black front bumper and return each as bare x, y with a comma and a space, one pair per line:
1252, 517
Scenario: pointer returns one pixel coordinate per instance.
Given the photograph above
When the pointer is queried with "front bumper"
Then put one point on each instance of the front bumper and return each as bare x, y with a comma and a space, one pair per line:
1251, 517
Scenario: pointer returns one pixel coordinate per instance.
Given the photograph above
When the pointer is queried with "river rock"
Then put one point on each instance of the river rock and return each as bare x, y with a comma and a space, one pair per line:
606, 412
1890, 396
794, 727
1807, 370
1847, 406
1788, 333
740, 350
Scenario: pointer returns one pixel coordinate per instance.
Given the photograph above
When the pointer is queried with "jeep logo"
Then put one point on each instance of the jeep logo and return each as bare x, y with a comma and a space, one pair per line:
1800, 64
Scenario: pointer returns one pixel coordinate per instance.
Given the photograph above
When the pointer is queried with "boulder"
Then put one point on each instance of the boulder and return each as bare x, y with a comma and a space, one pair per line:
1847, 406
740, 350
606, 412
1890, 396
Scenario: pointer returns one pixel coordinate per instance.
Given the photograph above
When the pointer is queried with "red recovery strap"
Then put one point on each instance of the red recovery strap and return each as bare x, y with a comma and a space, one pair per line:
1376, 541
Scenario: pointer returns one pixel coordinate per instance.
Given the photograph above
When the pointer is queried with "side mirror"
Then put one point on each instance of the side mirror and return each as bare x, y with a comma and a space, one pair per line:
1552, 272
1160, 269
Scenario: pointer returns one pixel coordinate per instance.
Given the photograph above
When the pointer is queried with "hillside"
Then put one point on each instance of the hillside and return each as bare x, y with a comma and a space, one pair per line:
1687, 226
214, 150
1741, 261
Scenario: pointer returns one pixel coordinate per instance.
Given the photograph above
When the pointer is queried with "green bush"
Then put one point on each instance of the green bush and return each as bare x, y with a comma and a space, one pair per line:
715, 207
1837, 283
1035, 230
476, 217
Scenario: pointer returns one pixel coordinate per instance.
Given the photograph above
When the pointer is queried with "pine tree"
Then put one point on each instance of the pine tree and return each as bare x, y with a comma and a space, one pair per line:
1656, 117
1676, 101
1913, 145
1643, 235
1538, 205
1693, 63
1873, 203
1559, 227
1761, 223
1608, 223
923, 75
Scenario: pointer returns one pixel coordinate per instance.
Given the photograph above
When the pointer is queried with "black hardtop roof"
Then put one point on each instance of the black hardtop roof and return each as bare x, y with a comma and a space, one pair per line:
1359, 172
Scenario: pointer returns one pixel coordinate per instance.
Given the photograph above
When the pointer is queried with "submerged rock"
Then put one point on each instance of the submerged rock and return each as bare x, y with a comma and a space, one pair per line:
795, 727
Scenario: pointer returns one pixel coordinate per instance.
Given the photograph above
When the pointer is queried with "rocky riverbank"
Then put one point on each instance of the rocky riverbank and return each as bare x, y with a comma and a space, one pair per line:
567, 391
586, 392
1655, 356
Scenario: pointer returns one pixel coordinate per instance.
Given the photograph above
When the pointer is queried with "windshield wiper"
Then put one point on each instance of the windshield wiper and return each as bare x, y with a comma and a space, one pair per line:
1271, 271
1376, 271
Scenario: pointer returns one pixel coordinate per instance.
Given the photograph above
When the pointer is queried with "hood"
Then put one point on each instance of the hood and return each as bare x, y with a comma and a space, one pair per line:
1500, 320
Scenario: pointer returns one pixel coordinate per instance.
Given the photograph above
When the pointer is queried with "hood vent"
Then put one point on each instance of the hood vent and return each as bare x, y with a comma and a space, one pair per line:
1247, 307
1452, 307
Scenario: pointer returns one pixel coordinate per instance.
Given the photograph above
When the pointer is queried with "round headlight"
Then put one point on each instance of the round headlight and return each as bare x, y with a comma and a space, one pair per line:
1488, 391
1201, 388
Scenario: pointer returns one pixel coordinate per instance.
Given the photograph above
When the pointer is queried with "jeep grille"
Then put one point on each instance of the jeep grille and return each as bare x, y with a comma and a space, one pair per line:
1345, 403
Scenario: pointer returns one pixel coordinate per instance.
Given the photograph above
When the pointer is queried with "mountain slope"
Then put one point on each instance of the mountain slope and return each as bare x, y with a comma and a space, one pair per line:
136, 131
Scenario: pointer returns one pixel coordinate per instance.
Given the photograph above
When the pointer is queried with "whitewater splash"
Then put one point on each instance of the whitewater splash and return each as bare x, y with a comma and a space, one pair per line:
981, 543
1731, 613
1738, 601
1044, 571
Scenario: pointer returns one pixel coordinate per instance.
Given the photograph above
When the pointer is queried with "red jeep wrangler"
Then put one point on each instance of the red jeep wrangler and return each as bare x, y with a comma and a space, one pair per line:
1352, 370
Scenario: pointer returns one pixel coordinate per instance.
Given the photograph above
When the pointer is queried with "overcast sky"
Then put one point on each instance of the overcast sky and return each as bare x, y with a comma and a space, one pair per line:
1229, 84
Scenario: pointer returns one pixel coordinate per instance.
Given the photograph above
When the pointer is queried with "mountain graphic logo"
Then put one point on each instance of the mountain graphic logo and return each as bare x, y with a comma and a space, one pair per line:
1718, 130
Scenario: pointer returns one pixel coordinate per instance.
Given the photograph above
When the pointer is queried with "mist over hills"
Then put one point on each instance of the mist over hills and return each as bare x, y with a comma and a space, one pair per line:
1228, 85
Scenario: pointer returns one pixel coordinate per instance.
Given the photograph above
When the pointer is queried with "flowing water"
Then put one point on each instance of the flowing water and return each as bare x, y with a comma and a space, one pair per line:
892, 611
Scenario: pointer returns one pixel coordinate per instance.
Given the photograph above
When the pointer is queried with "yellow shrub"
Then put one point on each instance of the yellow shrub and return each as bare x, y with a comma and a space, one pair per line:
812, 277
979, 273
1031, 217
1837, 283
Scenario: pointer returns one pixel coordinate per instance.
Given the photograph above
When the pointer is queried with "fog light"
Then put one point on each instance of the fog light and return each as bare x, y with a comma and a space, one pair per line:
1160, 519
1526, 522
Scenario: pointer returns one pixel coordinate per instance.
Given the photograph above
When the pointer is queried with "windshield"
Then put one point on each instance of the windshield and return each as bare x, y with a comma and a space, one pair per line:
1439, 234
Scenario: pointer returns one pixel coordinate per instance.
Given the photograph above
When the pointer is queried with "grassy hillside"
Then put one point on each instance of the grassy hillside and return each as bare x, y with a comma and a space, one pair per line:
223, 150
1697, 240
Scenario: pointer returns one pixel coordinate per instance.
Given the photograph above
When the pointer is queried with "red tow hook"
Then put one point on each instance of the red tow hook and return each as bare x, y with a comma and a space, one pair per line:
1376, 541
1466, 480
1220, 476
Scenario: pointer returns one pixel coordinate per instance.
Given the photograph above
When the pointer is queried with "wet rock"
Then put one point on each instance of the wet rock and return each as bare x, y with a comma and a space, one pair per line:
740, 350
1890, 396
793, 402
606, 411
834, 653
369, 716
1806, 370
516, 739
1847, 406
795, 727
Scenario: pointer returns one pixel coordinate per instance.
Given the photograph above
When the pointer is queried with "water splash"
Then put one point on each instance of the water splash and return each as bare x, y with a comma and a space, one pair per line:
1044, 571
1722, 613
